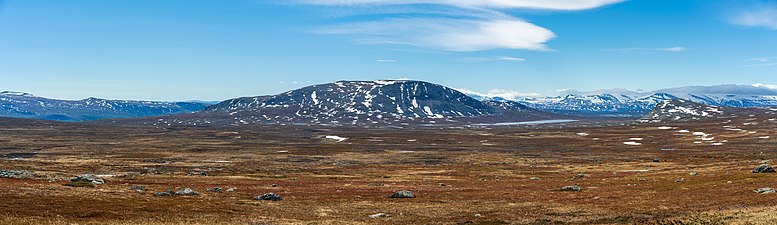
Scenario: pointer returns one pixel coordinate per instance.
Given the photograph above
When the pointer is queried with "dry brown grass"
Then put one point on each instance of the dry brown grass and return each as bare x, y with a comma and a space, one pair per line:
460, 176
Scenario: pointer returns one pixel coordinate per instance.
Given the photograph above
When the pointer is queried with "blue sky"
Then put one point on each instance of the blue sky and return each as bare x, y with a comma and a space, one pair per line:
216, 49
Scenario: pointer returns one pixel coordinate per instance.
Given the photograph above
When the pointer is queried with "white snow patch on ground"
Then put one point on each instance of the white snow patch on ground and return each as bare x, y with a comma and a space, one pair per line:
582, 134
632, 143
665, 128
336, 138
683, 131
636, 139
764, 137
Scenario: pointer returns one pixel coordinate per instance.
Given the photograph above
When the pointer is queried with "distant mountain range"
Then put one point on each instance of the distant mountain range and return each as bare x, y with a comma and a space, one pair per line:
626, 103
25, 105
381, 102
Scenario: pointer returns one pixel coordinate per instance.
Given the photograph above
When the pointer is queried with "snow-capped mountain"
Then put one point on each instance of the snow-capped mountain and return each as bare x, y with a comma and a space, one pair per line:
626, 103
383, 102
355, 102
25, 105
678, 110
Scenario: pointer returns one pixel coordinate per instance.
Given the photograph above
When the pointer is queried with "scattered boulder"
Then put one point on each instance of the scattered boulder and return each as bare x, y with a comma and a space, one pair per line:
13, 174
90, 178
573, 188
534, 178
269, 197
231, 189
580, 175
186, 191
764, 190
402, 194
138, 188
764, 168
379, 215
679, 180
215, 189
273, 185
693, 173
164, 193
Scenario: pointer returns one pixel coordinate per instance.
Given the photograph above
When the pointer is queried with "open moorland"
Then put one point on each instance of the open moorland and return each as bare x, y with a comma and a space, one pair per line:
680, 173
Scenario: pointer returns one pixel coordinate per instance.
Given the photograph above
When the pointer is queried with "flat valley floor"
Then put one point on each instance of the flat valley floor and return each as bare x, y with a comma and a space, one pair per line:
684, 173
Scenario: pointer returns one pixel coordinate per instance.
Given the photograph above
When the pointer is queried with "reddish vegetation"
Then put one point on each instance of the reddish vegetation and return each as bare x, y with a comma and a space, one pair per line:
458, 175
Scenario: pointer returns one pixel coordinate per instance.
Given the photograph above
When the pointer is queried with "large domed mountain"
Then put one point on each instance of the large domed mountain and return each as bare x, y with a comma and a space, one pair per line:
351, 103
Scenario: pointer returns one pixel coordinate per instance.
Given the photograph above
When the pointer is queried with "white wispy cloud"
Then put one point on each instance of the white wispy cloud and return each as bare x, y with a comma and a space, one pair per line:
386, 60
668, 49
763, 14
533, 4
451, 25
760, 62
501, 93
492, 59
770, 86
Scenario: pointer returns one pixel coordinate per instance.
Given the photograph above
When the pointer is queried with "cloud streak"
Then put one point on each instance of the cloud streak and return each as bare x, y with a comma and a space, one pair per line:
450, 25
669, 49
758, 15
499, 4
501, 93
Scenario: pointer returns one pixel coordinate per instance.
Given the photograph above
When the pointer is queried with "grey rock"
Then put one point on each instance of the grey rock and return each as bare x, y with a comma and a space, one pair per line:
534, 178
764, 190
269, 197
215, 189
91, 178
764, 168
573, 188
402, 194
14, 174
139, 188
164, 193
186, 191
231, 189
379, 215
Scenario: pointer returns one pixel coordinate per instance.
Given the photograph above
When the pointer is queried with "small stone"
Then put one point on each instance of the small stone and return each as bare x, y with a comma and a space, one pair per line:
679, 180
186, 191
764, 190
573, 188
534, 178
764, 168
231, 189
379, 215
91, 178
273, 185
269, 197
693, 173
656, 160
138, 188
580, 175
164, 193
215, 189
402, 194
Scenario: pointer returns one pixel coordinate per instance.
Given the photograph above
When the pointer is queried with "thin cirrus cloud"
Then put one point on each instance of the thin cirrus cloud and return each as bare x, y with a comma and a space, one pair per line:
493, 59
668, 49
500, 93
450, 25
504, 4
760, 62
763, 14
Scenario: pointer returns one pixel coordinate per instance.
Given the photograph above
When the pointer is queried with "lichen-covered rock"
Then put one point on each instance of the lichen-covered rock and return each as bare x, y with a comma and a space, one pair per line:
573, 188
269, 197
91, 178
402, 194
764, 168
